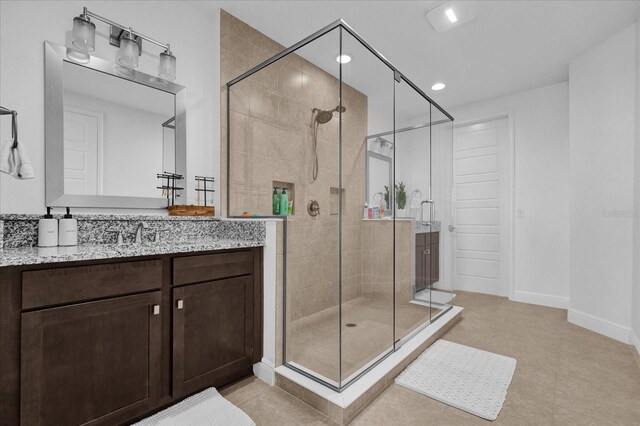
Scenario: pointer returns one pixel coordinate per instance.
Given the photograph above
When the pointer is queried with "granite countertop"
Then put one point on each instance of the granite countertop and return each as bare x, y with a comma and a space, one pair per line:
421, 228
40, 255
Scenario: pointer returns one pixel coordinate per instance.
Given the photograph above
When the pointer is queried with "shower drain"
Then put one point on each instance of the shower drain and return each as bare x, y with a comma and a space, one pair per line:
351, 324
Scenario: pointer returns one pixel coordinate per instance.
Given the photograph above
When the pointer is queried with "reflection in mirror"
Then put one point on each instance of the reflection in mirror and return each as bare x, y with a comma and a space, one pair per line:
379, 169
118, 134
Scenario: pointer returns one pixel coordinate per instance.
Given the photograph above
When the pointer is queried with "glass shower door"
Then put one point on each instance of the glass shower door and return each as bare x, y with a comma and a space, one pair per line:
367, 312
414, 210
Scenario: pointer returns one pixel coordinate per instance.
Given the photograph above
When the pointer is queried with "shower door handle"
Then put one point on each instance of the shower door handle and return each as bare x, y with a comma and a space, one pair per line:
431, 211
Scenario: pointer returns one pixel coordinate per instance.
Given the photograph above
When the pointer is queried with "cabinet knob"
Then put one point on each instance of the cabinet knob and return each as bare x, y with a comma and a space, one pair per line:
156, 309
427, 252
180, 304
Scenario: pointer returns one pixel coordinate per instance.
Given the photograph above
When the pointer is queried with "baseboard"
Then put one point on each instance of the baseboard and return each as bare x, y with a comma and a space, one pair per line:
601, 326
541, 299
265, 371
635, 341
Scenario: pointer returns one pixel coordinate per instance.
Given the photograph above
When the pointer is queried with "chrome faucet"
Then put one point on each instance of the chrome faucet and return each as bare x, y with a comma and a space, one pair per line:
138, 237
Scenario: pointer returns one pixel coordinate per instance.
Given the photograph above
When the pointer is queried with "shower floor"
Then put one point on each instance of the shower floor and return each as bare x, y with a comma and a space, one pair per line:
313, 341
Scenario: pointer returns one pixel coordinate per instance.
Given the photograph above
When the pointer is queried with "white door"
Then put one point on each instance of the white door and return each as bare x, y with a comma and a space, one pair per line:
82, 145
481, 167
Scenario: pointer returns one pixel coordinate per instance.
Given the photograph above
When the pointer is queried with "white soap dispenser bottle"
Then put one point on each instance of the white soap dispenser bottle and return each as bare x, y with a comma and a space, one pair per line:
68, 230
48, 230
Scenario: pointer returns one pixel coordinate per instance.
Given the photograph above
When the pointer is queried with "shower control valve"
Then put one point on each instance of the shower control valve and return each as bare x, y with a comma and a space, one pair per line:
313, 208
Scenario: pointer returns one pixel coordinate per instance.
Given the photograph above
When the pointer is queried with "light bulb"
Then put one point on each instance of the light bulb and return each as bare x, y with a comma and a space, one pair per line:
129, 50
167, 66
84, 34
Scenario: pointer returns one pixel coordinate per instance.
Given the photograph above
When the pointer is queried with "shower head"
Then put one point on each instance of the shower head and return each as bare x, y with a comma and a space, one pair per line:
323, 117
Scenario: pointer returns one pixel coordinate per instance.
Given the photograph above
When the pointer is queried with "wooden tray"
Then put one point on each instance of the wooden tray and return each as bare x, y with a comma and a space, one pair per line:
192, 211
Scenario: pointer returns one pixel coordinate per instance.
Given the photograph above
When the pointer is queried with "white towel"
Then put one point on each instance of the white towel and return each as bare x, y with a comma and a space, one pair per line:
15, 161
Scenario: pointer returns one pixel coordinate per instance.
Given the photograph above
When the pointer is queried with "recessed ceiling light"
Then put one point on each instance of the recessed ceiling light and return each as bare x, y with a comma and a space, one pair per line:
438, 86
343, 59
451, 15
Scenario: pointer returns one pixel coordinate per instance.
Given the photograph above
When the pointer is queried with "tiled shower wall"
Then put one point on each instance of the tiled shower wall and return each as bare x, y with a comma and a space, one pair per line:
271, 131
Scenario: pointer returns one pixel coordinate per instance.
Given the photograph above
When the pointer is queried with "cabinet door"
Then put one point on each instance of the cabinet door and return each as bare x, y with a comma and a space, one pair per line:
91, 363
435, 259
213, 326
421, 276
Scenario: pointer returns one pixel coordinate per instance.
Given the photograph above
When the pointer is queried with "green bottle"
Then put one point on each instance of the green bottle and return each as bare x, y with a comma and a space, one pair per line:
276, 202
284, 202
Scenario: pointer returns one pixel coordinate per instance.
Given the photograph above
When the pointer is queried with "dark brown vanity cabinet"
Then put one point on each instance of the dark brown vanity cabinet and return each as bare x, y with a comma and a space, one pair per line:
111, 342
215, 329
427, 259
212, 332
91, 363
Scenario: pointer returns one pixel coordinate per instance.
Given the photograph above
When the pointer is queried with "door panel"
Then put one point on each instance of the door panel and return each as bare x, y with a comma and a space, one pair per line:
213, 332
82, 144
91, 363
480, 207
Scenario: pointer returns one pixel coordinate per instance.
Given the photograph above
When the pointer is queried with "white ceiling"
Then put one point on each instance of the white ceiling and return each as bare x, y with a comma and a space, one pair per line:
511, 46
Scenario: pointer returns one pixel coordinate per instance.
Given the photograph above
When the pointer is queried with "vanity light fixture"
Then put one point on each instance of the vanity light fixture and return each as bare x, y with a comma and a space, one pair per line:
84, 33
128, 40
438, 86
128, 52
343, 59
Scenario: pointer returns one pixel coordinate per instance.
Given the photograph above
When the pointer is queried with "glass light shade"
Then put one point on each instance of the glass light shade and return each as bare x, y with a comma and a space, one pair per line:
167, 66
84, 34
128, 54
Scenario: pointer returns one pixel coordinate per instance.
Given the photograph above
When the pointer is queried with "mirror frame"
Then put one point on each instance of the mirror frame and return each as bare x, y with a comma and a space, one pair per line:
54, 57
384, 158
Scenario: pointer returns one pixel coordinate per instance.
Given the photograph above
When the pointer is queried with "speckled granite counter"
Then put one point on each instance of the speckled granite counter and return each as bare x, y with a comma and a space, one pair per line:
420, 228
39, 255
18, 237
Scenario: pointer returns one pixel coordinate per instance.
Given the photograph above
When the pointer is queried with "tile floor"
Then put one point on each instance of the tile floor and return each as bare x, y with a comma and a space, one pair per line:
313, 341
566, 375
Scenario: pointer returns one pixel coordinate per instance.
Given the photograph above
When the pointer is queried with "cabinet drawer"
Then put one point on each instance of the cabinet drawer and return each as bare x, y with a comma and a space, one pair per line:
67, 285
209, 267
427, 238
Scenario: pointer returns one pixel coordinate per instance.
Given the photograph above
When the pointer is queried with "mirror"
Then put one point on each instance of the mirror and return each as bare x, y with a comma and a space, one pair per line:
379, 167
109, 132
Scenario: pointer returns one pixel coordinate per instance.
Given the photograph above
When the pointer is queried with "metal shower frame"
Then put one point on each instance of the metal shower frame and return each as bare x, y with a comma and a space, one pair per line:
398, 77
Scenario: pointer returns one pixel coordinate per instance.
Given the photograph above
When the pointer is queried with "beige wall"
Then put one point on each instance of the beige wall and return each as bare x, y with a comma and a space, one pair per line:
377, 255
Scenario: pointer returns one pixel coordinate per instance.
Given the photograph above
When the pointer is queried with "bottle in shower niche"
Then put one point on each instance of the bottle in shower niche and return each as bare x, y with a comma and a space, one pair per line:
48, 230
68, 230
276, 202
284, 202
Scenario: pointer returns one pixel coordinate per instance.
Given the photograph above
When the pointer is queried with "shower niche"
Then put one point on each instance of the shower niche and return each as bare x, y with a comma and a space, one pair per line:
303, 120
290, 189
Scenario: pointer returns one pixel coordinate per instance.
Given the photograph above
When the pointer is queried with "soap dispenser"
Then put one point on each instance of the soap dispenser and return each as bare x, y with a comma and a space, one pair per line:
68, 230
48, 230
276, 202
284, 202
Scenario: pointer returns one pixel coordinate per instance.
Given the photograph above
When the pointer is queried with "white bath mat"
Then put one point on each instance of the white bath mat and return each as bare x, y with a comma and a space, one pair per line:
207, 408
466, 378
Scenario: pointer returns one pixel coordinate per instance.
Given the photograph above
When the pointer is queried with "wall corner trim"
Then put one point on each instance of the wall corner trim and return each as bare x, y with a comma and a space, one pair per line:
549, 300
601, 326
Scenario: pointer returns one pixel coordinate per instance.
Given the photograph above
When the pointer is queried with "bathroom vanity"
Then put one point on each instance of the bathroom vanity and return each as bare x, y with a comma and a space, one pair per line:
109, 334
427, 255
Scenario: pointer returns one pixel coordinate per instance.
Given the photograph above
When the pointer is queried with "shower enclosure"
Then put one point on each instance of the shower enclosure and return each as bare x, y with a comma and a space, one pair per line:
337, 126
